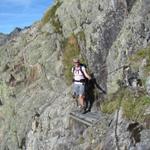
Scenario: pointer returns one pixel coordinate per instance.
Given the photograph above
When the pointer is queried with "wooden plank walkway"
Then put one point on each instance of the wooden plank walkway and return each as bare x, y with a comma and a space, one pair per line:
90, 118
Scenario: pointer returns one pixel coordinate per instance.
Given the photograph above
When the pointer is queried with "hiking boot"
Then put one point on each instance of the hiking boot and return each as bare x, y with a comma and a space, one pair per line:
83, 110
88, 110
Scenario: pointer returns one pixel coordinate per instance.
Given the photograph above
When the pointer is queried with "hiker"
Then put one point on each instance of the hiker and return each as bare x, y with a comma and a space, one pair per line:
79, 79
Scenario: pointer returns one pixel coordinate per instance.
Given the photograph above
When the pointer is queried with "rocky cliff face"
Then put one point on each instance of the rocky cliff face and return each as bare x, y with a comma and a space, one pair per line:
35, 101
109, 35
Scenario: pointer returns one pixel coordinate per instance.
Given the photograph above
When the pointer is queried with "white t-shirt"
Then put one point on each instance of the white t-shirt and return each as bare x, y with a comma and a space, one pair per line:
78, 75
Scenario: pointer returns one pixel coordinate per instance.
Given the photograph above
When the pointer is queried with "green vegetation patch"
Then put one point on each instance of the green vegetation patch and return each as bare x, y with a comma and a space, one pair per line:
81, 35
140, 54
71, 50
50, 15
133, 107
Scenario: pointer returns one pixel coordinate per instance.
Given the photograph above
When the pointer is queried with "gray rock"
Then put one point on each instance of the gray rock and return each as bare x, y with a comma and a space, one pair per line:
148, 85
110, 38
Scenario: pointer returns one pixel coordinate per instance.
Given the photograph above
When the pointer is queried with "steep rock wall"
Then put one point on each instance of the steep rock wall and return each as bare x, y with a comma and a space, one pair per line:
110, 36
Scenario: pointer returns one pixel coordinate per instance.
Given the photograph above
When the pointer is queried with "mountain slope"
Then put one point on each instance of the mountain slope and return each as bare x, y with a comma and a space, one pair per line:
34, 94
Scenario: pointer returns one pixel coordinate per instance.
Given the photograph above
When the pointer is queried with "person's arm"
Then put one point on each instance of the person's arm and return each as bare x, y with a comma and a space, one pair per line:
86, 74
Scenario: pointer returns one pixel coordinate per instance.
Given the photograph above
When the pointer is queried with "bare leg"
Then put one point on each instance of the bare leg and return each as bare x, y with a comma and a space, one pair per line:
81, 100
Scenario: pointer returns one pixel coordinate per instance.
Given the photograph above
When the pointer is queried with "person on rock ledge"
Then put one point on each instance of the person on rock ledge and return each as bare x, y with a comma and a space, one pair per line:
79, 78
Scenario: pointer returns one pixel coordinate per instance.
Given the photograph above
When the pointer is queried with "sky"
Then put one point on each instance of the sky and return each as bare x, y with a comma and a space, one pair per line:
21, 13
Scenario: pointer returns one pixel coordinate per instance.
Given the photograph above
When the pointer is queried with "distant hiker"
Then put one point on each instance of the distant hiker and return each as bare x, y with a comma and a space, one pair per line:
79, 78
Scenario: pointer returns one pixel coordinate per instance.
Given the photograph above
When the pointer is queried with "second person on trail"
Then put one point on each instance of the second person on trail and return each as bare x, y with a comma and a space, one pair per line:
79, 79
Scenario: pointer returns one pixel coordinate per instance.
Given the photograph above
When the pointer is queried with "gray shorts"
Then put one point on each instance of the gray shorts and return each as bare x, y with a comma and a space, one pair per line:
79, 89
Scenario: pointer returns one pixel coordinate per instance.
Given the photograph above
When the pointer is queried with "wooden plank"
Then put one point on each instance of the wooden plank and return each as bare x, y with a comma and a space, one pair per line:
81, 120
89, 118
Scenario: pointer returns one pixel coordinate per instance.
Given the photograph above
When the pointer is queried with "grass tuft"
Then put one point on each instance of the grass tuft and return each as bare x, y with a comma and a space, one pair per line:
133, 107
71, 50
50, 16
